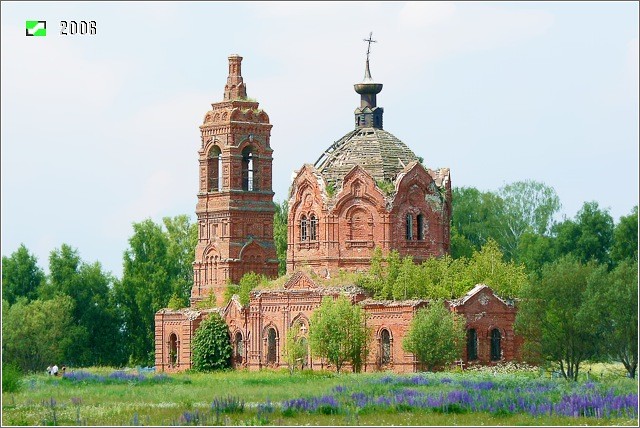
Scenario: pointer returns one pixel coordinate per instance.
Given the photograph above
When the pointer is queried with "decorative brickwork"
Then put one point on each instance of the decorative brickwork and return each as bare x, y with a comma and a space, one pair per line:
174, 331
235, 201
491, 320
366, 190
278, 309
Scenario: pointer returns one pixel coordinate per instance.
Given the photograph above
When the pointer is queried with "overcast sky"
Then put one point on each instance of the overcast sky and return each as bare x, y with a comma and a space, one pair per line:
100, 131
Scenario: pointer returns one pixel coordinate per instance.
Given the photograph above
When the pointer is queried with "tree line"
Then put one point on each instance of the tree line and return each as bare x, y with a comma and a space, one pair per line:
81, 315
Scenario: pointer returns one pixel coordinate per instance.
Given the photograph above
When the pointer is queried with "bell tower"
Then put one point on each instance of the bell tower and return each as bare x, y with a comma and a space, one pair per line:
235, 200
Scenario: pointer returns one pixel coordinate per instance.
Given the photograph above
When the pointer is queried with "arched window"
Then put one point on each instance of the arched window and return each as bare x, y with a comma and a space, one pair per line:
271, 346
249, 179
214, 169
173, 349
239, 347
496, 353
385, 347
313, 223
472, 344
420, 227
409, 224
303, 228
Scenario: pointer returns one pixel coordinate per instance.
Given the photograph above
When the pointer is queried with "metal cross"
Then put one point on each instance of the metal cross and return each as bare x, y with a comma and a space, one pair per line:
369, 40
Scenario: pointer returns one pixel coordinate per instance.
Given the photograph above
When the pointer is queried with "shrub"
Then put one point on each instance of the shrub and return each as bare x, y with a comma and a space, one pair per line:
11, 377
211, 345
435, 336
338, 333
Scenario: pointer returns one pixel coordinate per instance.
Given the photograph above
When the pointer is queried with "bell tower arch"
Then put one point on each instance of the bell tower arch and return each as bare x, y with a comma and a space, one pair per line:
235, 199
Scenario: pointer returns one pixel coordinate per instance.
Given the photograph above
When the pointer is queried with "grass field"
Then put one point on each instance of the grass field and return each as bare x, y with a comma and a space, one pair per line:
104, 396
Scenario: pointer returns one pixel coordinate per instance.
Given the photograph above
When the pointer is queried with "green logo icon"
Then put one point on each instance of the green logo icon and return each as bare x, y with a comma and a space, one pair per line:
36, 28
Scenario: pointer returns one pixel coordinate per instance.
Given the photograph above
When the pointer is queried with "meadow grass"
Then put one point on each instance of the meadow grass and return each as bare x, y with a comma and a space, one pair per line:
104, 396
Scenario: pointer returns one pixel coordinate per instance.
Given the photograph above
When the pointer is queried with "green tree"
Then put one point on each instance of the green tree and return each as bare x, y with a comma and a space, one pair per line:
534, 251
382, 275
97, 339
64, 263
182, 236
406, 284
211, 345
612, 298
38, 333
295, 348
374, 279
475, 218
625, 238
146, 287
436, 336
443, 278
393, 264
588, 237
461, 246
157, 270
488, 267
248, 282
553, 319
280, 219
21, 276
528, 206
96, 314
338, 333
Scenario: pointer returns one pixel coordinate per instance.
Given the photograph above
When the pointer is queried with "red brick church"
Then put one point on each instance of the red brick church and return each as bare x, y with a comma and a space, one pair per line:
366, 190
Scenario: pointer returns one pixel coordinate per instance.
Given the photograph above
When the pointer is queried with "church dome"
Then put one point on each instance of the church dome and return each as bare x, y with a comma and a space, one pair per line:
379, 152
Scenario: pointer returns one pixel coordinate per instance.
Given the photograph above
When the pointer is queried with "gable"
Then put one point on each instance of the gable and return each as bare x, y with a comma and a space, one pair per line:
300, 281
481, 296
233, 308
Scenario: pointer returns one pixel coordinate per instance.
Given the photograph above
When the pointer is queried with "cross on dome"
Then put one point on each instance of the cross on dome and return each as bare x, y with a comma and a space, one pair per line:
369, 41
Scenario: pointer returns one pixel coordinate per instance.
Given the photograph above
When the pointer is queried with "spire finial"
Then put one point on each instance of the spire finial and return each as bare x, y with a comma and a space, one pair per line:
369, 41
235, 88
367, 72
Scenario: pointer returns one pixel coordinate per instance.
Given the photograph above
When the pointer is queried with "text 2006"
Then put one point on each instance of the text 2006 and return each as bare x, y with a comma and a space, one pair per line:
72, 28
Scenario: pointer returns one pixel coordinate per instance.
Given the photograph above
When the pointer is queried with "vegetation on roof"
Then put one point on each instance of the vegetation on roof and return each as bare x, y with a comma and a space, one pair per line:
387, 187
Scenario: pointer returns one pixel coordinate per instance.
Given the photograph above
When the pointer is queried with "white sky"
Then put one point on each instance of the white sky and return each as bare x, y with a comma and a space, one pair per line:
101, 131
